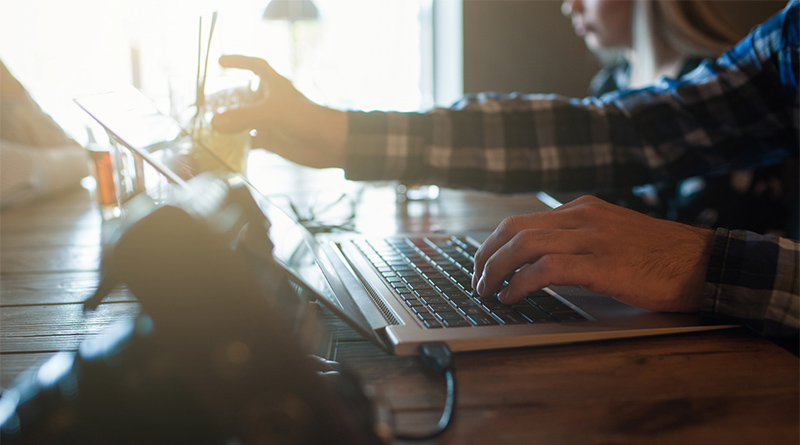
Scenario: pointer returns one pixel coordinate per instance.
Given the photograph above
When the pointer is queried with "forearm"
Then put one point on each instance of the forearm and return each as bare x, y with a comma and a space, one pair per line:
737, 112
755, 278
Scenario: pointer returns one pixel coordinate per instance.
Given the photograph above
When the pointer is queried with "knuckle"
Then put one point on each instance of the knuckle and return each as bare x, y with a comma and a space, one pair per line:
260, 65
509, 225
590, 207
551, 267
526, 240
538, 238
584, 199
546, 263
519, 240
589, 199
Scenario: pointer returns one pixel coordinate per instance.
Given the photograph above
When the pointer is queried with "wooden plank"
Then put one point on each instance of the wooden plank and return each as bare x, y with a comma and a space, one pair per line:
56, 327
72, 209
50, 259
696, 365
685, 420
50, 237
54, 288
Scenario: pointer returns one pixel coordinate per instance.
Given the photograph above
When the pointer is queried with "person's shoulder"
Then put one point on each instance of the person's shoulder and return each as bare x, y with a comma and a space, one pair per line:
776, 34
783, 28
791, 23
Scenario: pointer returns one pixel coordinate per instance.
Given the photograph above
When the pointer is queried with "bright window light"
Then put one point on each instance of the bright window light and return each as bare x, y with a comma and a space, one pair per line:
361, 54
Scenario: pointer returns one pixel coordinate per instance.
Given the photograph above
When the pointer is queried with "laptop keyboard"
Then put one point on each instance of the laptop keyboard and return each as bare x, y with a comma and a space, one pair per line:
433, 276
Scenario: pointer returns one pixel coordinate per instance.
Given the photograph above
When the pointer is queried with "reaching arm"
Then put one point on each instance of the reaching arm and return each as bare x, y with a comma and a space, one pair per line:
286, 121
738, 111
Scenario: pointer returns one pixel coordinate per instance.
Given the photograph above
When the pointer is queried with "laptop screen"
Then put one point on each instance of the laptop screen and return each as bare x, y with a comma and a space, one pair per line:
135, 123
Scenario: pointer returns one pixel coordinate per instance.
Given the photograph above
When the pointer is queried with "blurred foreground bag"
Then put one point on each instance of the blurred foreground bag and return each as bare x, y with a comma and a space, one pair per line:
218, 354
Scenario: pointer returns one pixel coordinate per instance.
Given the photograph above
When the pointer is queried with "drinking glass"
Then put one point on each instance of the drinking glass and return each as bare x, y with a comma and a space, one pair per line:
213, 150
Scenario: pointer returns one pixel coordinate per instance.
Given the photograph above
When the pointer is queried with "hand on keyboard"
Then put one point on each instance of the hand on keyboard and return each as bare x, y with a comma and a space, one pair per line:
646, 262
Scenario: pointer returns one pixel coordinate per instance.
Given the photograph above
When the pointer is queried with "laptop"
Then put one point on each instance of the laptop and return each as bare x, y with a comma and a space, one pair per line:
402, 291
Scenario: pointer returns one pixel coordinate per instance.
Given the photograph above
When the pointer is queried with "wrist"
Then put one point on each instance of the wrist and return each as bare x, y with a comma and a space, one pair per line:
696, 284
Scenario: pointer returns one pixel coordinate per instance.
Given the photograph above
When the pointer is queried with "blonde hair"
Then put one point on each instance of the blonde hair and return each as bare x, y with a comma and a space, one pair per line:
694, 28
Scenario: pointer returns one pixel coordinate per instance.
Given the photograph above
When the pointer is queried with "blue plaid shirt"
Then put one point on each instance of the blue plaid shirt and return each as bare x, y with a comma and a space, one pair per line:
739, 111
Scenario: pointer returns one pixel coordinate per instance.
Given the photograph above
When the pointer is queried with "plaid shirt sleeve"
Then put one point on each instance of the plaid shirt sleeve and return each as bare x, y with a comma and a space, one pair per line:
740, 111
755, 278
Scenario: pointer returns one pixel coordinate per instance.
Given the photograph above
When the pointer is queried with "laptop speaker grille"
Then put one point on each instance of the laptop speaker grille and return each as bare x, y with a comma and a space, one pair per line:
373, 294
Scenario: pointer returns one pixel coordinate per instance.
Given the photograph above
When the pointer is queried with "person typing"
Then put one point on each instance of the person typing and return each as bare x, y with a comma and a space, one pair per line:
737, 111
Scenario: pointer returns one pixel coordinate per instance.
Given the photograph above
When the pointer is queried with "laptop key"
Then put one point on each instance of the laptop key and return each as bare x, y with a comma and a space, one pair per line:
492, 303
399, 265
533, 314
462, 303
426, 316
433, 300
453, 295
431, 324
470, 250
442, 307
430, 271
407, 273
450, 269
510, 317
464, 280
452, 291
456, 323
474, 310
481, 320
419, 286
467, 264
422, 312
449, 316
550, 304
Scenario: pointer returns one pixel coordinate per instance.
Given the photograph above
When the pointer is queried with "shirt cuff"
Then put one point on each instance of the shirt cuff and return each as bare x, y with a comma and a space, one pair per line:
743, 281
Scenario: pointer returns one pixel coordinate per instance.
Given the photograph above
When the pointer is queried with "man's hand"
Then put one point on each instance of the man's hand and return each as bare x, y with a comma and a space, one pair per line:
286, 121
642, 261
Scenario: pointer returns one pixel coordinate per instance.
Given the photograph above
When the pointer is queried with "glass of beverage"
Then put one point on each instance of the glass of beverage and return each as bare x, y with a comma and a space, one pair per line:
212, 150
105, 190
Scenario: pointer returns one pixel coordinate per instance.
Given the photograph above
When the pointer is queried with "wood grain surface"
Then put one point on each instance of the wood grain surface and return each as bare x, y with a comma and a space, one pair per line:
714, 387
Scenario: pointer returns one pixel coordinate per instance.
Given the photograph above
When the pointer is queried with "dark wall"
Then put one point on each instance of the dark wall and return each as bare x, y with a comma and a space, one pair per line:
529, 46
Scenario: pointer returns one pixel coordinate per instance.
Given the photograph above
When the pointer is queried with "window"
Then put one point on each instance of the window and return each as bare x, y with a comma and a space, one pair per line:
361, 54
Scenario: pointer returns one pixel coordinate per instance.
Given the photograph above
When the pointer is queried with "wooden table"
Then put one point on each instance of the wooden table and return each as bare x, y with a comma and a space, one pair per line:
713, 387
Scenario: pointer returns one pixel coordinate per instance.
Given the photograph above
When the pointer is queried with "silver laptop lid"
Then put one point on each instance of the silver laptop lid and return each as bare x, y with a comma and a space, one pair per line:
135, 123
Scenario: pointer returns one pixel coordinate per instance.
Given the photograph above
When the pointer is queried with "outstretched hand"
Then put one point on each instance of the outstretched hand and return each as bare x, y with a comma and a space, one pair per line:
287, 122
642, 261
